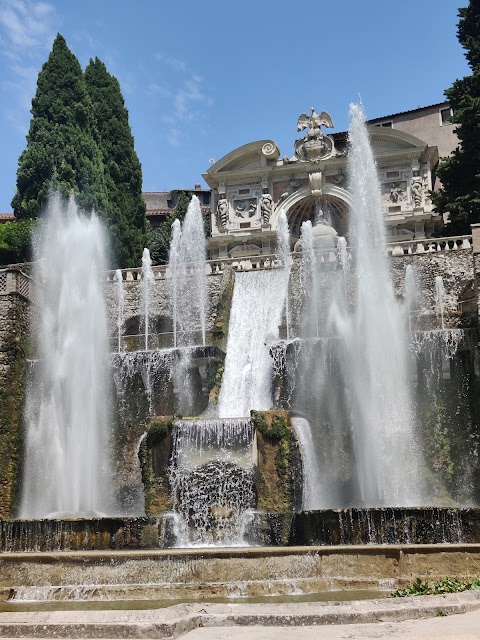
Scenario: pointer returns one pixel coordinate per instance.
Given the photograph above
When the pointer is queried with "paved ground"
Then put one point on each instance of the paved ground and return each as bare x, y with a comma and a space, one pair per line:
421, 618
464, 626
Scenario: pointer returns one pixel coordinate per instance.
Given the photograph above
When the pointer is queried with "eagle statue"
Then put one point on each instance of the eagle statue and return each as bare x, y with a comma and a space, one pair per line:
314, 122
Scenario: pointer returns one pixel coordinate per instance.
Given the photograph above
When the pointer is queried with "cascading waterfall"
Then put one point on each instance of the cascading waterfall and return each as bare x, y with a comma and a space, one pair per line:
256, 313
375, 349
212, 480
147, 291
67, 461
120, 307
310, 467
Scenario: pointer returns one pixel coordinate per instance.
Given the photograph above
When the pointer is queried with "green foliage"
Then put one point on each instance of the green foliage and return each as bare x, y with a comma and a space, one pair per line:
447, 585
273, 427
460, 173
15, 241
157, 429
123, 172
159, 238
12, 385
61, 144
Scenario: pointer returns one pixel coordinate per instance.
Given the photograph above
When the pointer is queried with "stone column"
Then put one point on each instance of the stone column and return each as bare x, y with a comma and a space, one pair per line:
476, 262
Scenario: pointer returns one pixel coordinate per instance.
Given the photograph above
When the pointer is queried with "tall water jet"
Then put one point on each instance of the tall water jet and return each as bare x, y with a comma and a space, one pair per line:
147, 290
120, 307
173, 265
307, 276
188, 287
440, 300
283, 255
375, 360
410, 297
67, 463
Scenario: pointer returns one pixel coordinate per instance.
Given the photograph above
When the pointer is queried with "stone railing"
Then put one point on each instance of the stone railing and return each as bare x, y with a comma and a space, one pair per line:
413, 247
14, 281
268, 261
247, 263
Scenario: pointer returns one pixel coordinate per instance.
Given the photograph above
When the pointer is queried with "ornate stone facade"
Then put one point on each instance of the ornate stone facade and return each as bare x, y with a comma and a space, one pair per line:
253, 183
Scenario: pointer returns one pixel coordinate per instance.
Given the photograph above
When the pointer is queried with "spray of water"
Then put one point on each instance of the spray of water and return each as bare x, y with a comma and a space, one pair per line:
440, 300
188, 280
67, 464
120, 307
375, 353
147, 291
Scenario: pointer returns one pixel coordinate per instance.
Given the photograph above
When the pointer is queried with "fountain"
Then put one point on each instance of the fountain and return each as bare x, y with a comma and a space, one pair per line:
148, 285
316, 427
120, 307
67, 463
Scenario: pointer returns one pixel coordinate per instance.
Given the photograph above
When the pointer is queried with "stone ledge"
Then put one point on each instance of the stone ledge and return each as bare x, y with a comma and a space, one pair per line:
173, 622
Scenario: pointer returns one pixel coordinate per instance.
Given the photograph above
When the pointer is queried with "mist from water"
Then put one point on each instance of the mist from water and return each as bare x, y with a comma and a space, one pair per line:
67, 468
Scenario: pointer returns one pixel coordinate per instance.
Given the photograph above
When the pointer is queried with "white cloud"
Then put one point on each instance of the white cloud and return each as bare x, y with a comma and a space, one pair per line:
25, 25
183, 95
27, 30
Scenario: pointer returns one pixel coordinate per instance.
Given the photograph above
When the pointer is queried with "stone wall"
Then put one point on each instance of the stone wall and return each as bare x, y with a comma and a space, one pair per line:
456, 268
217, 284
457, 271
14, 323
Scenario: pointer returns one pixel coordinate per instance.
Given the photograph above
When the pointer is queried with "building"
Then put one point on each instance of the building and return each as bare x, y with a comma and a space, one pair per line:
251, 184
161, 204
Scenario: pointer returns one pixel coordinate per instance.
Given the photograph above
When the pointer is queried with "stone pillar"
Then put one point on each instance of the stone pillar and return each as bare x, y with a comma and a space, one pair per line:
476, 262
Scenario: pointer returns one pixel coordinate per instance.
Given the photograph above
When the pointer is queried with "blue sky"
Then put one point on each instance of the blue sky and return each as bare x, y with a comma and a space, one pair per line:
202, 78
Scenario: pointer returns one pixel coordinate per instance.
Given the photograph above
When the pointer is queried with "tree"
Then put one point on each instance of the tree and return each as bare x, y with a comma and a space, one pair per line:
15, 244
61, 143
460, 173
159, 238
123, 172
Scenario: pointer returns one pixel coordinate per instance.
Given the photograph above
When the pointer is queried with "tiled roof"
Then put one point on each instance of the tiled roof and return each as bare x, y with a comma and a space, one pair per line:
165, 212
401, 113
7, 216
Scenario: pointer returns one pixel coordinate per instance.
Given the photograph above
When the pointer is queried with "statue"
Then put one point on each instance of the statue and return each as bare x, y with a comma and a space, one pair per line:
266, 207
222, 213
315, 146
314, 122
417, 191
396, 193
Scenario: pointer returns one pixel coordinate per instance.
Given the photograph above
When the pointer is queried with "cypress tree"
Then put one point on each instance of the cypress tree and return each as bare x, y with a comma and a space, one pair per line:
61, 146
123, 172
460, 173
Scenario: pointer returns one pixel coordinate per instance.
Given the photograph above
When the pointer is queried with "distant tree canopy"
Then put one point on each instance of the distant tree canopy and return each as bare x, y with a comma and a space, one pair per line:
15, 241
80, 142
460, 173
159, 238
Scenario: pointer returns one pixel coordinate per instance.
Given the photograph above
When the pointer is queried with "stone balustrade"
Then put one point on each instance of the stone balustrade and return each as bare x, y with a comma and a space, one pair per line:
14, 281
18, 279
413, 247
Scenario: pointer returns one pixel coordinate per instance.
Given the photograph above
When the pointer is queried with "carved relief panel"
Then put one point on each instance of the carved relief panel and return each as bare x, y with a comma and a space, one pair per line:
238, 209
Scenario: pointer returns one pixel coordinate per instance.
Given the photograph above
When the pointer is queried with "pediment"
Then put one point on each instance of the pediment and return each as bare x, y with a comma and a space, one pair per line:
249, 157
393, 141
247, 162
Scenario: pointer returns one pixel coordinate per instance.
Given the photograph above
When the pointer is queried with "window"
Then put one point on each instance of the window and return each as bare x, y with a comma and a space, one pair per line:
445, 115
206, 198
